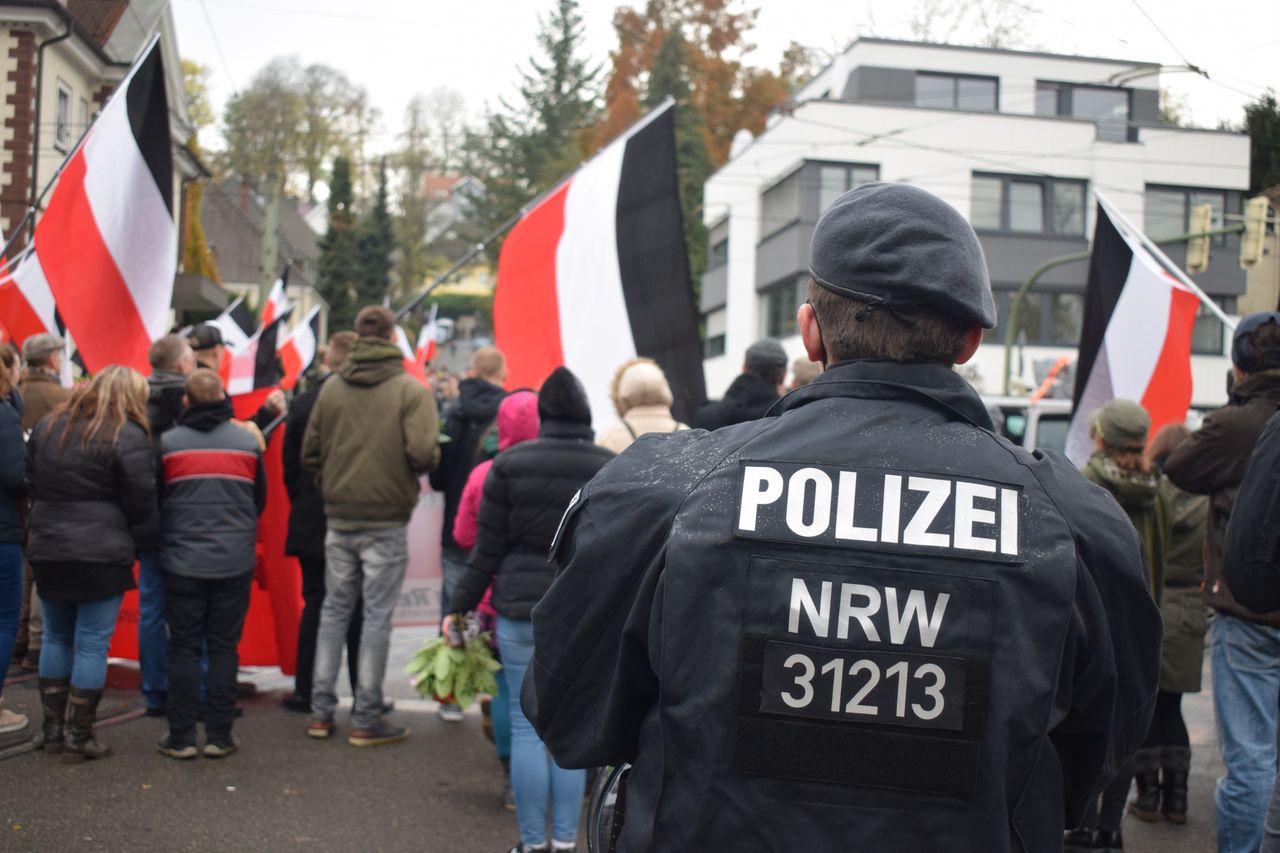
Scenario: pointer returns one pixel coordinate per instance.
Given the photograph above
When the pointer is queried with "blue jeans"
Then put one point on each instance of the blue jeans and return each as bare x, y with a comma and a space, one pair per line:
1246, 688
77, 635
500, 714
10, 603
535, 777
369, 563
153, 638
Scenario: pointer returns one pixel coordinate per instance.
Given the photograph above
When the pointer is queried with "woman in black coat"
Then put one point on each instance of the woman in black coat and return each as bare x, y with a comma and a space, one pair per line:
92, 478
13, 489
525, 495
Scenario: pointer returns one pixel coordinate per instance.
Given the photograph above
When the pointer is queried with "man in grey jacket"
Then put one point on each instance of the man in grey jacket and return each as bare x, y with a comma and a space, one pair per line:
213, 487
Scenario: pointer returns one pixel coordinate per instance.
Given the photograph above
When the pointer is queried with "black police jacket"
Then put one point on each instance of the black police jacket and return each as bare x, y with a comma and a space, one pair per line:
867, 622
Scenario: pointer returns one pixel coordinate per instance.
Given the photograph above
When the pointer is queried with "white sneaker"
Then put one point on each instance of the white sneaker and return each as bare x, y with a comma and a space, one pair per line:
451, 713
12, 722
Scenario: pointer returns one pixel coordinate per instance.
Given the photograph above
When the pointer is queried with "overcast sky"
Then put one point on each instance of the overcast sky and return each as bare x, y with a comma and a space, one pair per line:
397, 48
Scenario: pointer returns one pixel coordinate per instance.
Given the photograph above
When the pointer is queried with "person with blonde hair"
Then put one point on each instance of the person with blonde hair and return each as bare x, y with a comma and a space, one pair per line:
642, 398
92, 479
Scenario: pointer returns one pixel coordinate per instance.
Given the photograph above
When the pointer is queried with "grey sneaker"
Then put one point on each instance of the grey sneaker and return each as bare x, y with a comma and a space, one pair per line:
11, 721
220, 747
381, 734
181, 751
451, 713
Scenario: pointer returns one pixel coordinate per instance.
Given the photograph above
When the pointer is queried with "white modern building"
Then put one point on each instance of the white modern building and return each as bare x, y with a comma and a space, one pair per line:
1014, 140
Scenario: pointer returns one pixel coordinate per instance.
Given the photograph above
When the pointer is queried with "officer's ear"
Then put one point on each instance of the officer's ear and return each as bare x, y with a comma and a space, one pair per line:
972, 340
811, 334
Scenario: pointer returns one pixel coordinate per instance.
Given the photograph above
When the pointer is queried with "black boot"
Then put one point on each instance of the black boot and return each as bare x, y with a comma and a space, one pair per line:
79, 743
1176, 761
1146, 773
1081, 840
53, 699
1110, 841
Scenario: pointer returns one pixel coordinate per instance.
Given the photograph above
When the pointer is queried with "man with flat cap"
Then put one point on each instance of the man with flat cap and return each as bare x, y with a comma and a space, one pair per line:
207, 343
865, 621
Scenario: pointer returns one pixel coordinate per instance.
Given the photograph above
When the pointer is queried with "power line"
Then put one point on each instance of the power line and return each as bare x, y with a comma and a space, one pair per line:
1182, 55
217, 43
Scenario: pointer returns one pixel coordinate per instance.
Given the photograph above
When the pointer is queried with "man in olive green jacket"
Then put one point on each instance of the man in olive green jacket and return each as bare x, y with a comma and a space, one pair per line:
372, 432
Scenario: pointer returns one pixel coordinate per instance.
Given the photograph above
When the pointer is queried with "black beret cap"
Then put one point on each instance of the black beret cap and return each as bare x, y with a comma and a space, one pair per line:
205, 336
898, 246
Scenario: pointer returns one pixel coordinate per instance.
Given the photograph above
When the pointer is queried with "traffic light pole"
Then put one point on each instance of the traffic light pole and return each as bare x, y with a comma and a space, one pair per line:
1015, 306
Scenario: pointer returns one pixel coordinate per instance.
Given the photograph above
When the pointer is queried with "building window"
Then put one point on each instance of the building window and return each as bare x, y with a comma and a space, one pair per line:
1027, 205
834, 180
1167, 210
780, 205
1206, 334
778, 307
718, 245
84, 114
714, 330
1106, 106
1047, 318
955, 92
62, 118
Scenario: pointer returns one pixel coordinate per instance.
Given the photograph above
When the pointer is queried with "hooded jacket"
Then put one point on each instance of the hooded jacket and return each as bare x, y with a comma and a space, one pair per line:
517, 423
747, 398
13, 471
1182, 605
372, 432
214, 488
525, 495
84, 503
465, 423
1140, 496
1213, 462
168, 388
703, 574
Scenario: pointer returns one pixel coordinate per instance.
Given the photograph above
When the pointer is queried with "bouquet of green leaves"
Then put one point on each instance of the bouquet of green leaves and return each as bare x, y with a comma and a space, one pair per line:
455, 675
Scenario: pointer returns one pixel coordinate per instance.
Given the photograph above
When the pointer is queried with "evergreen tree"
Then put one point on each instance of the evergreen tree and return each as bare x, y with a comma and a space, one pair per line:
374, 242
670, 78
527, 146
338, 264
1262, 123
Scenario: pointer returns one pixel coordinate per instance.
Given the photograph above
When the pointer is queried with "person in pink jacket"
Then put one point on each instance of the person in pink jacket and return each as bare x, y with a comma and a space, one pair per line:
517, 422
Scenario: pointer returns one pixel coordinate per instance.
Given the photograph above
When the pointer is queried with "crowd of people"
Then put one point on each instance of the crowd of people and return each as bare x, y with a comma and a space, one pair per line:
745, 536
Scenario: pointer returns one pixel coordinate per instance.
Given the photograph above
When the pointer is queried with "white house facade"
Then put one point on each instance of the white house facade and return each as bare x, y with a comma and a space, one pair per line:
1017, 142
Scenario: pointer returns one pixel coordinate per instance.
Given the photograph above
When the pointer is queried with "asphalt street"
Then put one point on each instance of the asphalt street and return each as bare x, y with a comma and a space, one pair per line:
438, 792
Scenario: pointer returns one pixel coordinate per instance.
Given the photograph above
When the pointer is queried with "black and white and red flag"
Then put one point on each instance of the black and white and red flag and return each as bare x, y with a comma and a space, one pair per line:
298, 351
1135, 341
107, 242
597, 272
254, 365
277, 301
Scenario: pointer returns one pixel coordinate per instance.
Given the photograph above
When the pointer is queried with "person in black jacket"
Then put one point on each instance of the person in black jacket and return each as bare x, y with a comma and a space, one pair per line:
13, 492
305, 539
92, 476
172, 361
866, 621
525, 494
753, 392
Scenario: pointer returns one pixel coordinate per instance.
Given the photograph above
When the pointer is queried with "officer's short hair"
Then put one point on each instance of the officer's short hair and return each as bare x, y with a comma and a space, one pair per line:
374, 321
340, 345
166, 353
929, 336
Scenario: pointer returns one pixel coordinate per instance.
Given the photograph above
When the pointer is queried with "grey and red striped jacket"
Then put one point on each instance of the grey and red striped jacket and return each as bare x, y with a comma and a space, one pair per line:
212, 489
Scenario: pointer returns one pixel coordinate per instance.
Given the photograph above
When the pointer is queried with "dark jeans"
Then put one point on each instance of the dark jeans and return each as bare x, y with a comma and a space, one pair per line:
204, 614
1108, 813
309, 625
10, 603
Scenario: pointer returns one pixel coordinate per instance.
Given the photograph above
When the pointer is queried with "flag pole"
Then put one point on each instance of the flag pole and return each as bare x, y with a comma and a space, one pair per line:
35, 203
1162, 259
667, 103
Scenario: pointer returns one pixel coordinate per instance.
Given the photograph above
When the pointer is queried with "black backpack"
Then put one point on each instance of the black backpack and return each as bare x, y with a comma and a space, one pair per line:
1251, 552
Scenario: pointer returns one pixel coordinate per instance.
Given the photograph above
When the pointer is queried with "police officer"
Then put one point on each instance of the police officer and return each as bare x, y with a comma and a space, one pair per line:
865, 621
